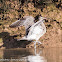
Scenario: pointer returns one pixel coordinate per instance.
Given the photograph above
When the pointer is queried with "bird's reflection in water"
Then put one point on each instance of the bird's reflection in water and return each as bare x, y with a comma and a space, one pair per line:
24, 55
36, 57
28, 55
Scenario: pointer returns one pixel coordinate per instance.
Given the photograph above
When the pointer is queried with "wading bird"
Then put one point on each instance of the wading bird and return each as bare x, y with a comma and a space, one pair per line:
36, 30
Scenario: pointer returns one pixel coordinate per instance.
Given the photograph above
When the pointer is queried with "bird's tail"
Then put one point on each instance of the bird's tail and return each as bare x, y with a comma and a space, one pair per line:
23, 38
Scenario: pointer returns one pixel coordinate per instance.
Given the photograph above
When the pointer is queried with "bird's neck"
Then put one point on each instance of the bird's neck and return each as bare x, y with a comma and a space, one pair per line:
40, 21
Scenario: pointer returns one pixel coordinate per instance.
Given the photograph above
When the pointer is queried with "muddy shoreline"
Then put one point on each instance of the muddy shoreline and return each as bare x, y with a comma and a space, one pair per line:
15, 10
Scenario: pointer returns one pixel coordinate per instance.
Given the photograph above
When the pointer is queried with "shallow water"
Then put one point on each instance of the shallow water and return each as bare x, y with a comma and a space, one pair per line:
28, 55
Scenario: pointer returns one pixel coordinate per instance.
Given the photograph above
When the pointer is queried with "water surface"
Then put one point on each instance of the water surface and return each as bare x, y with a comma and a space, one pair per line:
28, 55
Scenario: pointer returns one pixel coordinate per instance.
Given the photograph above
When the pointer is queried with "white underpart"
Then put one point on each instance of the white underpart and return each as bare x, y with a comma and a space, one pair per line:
37, 31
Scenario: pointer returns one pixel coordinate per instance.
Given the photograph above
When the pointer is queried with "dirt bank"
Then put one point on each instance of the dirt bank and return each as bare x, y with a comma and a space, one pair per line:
52, 38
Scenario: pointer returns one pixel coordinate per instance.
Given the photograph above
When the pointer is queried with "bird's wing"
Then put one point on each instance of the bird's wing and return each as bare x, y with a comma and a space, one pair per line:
19, 22
26, 21
29, 21
36, 24
32, 28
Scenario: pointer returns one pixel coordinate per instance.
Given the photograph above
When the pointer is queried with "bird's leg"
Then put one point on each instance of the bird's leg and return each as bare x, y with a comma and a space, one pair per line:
35, 47
38, 42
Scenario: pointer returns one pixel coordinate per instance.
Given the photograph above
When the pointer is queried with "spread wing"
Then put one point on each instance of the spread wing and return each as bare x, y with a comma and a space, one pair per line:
26, 21
35, 26
19, 22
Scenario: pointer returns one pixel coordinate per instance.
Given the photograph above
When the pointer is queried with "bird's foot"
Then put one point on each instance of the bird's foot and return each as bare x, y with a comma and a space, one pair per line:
38, 42
23, 38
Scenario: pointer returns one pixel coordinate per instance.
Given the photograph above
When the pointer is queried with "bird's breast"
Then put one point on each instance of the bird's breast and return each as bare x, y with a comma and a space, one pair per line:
37, 30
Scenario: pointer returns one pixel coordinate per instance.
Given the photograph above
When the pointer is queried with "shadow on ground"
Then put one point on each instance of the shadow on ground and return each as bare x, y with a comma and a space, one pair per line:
11, 42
